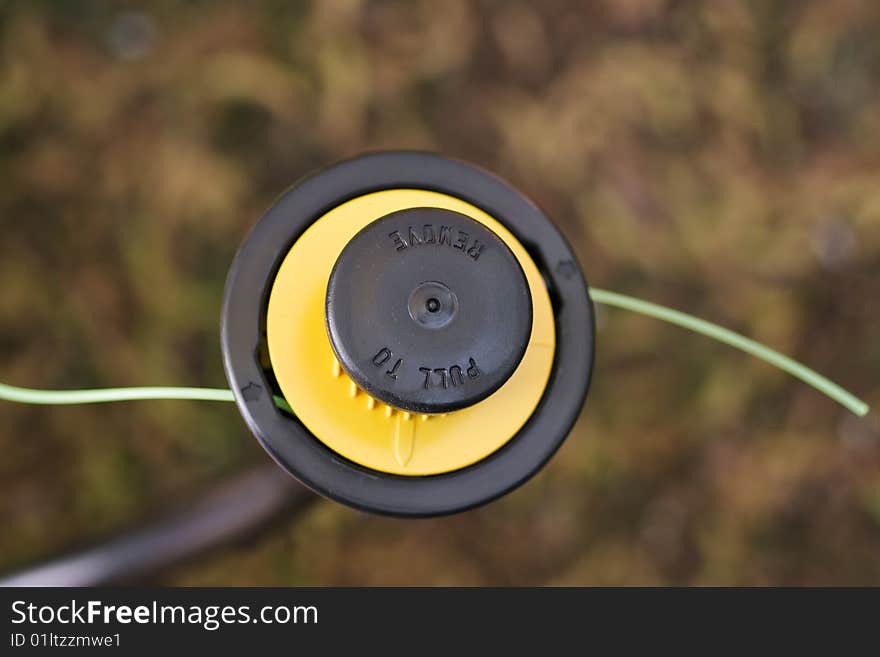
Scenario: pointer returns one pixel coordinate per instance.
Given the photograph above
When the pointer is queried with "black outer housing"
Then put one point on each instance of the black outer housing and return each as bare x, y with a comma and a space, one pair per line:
305, 457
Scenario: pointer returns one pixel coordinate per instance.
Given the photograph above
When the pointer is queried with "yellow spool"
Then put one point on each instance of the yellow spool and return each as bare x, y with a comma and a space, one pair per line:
345, 418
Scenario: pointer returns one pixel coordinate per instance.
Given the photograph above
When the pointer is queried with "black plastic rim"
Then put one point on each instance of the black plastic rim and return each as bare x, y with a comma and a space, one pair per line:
307, 458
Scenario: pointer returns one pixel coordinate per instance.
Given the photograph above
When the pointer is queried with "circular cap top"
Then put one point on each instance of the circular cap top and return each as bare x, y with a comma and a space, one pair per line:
428, 310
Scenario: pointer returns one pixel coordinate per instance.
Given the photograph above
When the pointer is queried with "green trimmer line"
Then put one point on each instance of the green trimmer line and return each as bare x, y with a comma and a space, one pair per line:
409, 335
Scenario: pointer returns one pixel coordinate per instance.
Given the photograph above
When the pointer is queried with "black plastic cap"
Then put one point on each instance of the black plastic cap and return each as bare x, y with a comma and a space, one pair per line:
428, 310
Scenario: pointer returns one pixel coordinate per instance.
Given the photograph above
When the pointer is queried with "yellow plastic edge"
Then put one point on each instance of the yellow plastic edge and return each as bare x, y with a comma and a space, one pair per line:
344, 417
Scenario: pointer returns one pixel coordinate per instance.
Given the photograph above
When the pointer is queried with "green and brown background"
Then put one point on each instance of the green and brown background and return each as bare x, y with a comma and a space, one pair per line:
719, 157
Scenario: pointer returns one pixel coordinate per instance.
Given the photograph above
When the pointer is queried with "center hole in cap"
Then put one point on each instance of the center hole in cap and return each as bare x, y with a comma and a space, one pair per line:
432, 305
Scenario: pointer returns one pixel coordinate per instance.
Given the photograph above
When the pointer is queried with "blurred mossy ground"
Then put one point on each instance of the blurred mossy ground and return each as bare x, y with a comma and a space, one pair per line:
723, 158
